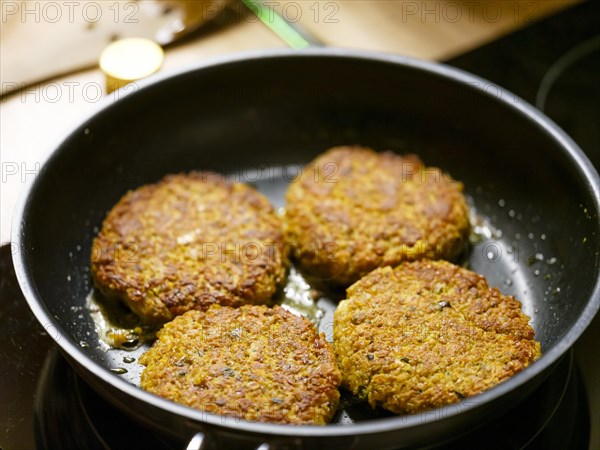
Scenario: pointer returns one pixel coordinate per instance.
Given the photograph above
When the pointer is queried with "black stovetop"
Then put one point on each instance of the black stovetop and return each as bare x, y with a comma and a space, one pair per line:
554, 64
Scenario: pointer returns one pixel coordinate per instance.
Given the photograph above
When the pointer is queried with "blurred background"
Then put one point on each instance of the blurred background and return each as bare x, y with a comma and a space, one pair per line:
547, 52
49, 51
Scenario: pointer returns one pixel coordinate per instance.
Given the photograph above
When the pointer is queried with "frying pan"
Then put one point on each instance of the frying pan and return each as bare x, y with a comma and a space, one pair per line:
534, 194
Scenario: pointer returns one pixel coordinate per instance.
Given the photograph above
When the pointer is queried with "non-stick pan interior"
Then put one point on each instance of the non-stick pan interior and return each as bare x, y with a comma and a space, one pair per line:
273, 115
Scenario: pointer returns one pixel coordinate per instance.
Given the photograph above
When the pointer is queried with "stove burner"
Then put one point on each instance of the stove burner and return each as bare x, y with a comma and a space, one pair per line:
570, 96
563, 64
555, 65
69, 414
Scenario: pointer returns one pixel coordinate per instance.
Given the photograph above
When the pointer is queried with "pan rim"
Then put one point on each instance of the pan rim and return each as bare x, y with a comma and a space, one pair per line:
580, 160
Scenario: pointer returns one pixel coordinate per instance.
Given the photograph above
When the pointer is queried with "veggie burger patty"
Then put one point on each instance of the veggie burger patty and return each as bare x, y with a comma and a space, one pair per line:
253, 362
188, 242
353, 210
426, 334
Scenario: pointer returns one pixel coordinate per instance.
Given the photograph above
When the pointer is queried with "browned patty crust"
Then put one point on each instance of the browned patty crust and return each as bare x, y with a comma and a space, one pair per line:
253, 363
426, 334
353, 210
187, 242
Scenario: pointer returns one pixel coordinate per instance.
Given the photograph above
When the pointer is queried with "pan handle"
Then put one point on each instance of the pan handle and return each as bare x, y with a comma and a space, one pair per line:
198, 442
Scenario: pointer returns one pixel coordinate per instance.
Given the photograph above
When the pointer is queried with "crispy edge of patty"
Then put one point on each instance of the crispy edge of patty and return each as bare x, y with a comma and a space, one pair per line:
427, 334
353, 210
150, 266
254, 363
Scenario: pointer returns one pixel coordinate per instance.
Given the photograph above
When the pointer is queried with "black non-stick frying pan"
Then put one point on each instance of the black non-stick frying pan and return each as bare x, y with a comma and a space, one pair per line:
535, 194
